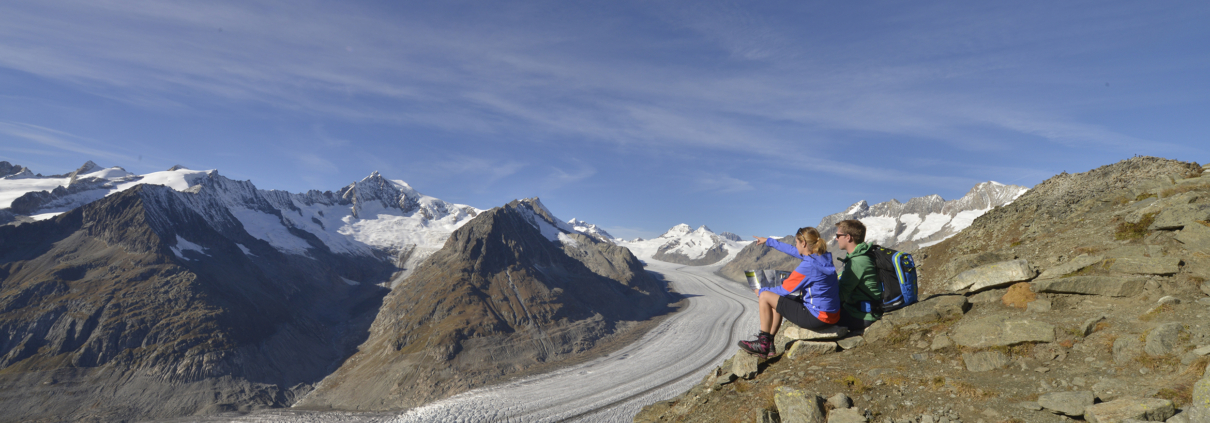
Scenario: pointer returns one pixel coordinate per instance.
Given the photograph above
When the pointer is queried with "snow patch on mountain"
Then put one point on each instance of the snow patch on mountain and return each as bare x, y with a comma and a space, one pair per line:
922, 221
590, 230
183, 244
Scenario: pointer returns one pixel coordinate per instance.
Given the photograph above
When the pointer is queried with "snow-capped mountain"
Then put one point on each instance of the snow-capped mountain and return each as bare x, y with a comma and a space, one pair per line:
590, 230
685, 245
922, 221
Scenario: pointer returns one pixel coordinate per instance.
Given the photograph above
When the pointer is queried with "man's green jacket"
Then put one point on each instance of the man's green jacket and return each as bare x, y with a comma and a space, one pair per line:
859, 282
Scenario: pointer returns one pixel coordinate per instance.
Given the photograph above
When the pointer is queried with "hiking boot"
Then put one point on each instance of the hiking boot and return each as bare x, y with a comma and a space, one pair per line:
761, 347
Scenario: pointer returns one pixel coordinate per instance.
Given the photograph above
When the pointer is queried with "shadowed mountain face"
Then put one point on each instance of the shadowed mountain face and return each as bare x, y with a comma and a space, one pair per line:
502, 296
153, 303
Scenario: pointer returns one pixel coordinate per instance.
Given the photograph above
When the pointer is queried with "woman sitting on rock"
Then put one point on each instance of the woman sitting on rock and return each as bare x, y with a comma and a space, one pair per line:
814, 279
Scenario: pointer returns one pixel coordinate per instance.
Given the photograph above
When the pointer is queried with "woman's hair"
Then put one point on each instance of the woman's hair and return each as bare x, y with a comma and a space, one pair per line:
810, 236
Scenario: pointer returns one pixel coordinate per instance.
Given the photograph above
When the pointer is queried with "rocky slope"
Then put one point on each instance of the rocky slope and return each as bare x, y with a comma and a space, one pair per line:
1087, 297
922, 221
153, 303
508, 293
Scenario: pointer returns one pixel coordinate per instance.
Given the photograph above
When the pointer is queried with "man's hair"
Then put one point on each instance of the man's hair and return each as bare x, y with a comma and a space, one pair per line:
854, 228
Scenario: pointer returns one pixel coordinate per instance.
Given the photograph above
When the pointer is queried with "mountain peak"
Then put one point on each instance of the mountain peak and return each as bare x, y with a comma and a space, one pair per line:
678, 230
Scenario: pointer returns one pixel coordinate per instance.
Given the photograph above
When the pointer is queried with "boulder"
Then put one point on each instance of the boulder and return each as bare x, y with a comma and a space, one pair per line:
744, 365
1069, 403
1146, 265
1147, 409
1072, 266
992, 276
1195, 237
984, 361
1110, 389
1163, 339
1000, 330
797, 406
1109, 286
1191, 415
1201, 393
802, 349
1205, 287
846, 415
1126, 348
944, 307
851, 342
840, 400
1178, 216
877, 331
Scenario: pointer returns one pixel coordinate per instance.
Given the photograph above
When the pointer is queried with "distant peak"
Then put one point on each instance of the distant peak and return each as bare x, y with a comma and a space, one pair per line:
176, 168
677, 230
704, 228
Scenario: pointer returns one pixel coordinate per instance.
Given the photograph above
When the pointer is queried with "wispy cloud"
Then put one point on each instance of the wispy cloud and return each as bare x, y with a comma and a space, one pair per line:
63, 142
719, 183
560, 177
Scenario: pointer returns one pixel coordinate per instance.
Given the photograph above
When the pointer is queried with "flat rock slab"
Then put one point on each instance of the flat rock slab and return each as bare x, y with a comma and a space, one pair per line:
802, 349
1072, 266
999, 330
1070, 403
1178, 216
1195, 237
794, 333
1146, 265
988, 296
994, 275
1109, 286
1116, 411
984, 361
943, 307
794, 405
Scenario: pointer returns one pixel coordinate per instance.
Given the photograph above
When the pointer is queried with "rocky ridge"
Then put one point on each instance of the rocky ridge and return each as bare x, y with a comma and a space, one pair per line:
499, 300
1086, 299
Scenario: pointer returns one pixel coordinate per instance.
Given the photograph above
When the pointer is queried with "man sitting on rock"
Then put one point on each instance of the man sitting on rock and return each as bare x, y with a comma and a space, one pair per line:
860, 292
808, 297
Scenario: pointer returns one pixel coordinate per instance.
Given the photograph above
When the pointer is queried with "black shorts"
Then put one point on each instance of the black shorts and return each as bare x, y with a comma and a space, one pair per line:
793, 310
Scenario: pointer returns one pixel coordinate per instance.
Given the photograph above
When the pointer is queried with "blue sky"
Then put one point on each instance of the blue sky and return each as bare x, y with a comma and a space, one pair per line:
749, 117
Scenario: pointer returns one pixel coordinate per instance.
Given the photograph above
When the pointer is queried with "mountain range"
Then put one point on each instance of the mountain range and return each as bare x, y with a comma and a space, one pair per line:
184, 292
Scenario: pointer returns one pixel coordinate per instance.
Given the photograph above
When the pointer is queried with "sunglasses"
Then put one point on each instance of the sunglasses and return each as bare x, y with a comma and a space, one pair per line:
838, 235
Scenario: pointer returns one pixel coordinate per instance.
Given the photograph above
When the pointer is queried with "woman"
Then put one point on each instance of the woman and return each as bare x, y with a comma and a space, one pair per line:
814, 279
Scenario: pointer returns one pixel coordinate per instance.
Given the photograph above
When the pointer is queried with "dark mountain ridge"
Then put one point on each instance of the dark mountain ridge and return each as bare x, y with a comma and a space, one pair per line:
499, 299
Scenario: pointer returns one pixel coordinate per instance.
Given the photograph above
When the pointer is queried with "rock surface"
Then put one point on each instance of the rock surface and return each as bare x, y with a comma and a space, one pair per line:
1070, 403
798, 406
1152, 409
992, 276
1073, 229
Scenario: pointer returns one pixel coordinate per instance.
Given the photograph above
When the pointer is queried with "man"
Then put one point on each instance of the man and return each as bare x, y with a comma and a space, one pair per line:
860, 292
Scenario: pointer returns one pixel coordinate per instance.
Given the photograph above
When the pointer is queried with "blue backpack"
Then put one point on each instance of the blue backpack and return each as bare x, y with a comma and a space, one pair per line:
897, 274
